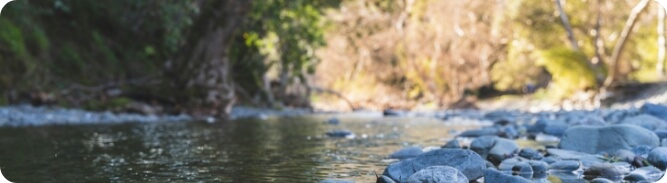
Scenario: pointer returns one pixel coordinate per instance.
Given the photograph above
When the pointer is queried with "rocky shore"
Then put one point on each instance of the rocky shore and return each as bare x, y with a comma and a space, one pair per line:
621, 145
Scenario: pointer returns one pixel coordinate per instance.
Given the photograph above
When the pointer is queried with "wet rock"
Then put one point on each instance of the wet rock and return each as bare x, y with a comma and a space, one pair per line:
493, 176
509, 132
656, 110
649, 122
336, 181
658, 157
508, 164
523, 169
408, 152
556, 129
565, 166
648, 174
663, 143
466, 161
625, 155
452, 144
482, 145
538, 166
530, 153
333, 121
384, 179
550, 127
502, 149
607, 139
604, 170
394, 112
641, 150
601, 180
662, 134
488, 131
590, 121
438, 174
341, 134
550, 160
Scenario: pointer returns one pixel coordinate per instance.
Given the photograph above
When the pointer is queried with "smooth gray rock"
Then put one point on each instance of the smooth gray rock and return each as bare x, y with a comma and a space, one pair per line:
538, 166
649, 122
482, 145
662, 134
550, 127
523, 169
408, 152
565, 166
648, 173
341, 134
584, 158
438, 174
384, 179
502, 149
509, 163
601, 180
656, 110
625, 155
493, 176
607, 139
530, 153
509, 132
488, 131
658, 157
466, 161
452, 144
604, 170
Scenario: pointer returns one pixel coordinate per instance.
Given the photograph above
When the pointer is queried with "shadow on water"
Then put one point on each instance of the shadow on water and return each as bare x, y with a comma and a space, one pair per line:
250, 150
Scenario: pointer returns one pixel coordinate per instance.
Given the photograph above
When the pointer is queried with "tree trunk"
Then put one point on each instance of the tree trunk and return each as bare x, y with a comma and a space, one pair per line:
201, 70
566, 24
625, 34
660, 65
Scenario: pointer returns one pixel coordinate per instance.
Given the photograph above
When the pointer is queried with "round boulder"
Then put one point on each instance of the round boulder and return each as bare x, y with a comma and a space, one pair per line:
607, 139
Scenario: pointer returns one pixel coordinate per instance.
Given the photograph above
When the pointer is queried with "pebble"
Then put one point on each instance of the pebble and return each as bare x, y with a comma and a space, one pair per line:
658, 157
466, 161
438, 174
604, 170
493, 176
530, 153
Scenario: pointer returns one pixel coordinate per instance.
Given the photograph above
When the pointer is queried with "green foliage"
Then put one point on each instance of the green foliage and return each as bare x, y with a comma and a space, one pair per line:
280, 38
569, 70
517, 71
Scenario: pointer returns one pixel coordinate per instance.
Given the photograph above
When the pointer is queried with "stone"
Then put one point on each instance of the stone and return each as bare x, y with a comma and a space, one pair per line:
648, 173
482, 145
604, 170
601, 180
530, 153
488, 131
509, 132
658, 157
466, 161
508, 164
565, 166
493, 176
523, 169
452, 144
625, 155
584, 158
341, 134
538, 166
662, 134
556, 129
384, 179
590, 121
649, 122
656, 110
408, 152
333, 121
438, 174
607, 139
502, 149
641, 150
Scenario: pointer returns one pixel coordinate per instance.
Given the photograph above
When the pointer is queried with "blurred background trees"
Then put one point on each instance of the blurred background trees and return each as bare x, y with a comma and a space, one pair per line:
202, 56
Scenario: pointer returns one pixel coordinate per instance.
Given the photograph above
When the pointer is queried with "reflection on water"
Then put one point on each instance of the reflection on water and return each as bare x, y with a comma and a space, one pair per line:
273, 150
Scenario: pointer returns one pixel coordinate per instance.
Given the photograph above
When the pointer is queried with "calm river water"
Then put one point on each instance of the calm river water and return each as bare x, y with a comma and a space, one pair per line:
277, 149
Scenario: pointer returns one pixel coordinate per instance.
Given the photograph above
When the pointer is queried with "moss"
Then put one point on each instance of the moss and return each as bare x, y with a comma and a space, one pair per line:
569, 70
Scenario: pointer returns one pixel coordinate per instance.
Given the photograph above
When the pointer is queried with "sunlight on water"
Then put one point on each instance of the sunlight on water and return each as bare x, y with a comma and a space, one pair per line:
250, 150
